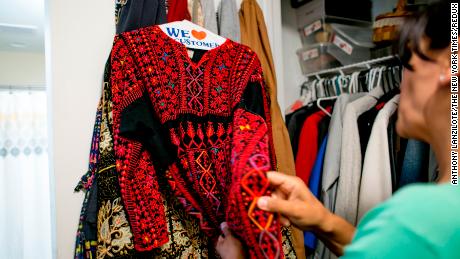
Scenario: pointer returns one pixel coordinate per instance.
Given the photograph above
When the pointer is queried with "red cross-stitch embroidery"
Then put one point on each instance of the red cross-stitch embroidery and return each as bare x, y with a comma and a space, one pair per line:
223, 150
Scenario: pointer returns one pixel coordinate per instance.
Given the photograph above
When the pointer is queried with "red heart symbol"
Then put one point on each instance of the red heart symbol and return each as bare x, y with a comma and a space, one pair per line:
199, 35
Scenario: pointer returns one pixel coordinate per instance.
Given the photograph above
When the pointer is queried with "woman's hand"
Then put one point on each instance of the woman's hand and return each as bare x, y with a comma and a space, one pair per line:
228, 247
294, 201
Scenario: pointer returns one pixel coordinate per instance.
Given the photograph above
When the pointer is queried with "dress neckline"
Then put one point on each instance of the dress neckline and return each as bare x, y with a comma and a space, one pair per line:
182, 49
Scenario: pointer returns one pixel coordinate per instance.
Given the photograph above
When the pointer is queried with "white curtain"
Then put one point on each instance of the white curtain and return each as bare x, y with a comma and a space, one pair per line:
25, 218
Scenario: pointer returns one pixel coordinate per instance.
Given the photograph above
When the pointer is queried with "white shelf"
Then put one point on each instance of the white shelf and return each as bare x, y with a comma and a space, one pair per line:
343, 69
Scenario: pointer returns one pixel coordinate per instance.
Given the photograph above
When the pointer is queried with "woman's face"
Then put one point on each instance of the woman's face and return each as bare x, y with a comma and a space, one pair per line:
419, 89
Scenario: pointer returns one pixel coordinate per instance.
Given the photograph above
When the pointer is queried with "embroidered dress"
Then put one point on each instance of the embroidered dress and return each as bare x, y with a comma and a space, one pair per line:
114, 237
205, 127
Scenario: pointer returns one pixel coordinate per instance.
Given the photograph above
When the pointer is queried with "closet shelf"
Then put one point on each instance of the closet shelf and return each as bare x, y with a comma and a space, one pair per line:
353, 67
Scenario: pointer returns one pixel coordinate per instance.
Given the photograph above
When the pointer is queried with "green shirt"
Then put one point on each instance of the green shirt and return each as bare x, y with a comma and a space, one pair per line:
420, 221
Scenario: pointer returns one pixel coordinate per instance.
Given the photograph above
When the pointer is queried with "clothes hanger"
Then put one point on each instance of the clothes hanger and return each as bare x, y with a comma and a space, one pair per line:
191, 35
386, 82
396, 75
371, 79
362, 81
332, 87
379, 78
391, 81
377, 90
353, 87
307, 95
300, 102
318, 101
344, 82
321, 92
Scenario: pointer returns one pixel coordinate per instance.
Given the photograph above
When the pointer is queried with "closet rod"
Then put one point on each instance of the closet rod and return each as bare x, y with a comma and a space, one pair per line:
365, 64
22, 88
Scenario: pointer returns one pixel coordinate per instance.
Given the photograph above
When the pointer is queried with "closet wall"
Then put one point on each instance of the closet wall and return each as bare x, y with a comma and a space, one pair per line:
79, 37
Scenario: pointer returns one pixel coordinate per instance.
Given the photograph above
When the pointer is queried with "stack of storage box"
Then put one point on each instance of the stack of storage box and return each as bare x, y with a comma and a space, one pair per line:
333, 33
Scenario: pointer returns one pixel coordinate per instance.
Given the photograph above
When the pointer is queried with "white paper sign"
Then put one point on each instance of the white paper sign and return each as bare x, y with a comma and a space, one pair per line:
192, 35
310, 54
312, 28
342, 44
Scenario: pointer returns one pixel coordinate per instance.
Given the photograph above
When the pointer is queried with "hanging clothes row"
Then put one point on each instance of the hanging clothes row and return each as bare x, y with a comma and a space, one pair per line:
168, 225
343, 135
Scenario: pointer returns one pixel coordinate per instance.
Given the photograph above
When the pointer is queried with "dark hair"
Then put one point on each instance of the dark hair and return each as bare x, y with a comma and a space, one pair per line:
433, 23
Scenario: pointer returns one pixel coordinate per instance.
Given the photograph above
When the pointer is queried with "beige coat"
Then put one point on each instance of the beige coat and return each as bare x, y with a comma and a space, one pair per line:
254, 35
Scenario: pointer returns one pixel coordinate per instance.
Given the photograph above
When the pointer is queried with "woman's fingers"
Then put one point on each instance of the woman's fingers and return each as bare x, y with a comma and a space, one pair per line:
282, 182
284, 221
225, 229
273, 205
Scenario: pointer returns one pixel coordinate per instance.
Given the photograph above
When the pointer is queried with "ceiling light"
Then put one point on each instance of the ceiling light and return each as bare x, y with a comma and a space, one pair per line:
18, 45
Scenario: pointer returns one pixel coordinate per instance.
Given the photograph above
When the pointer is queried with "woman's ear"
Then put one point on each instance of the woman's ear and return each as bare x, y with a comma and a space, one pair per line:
444, 77
444, 62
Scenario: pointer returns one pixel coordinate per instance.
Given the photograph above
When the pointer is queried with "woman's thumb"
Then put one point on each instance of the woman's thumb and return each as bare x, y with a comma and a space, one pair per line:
273, 204
225, 229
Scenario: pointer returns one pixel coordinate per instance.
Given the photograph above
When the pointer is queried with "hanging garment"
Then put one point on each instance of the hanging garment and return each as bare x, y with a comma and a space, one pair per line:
314, 185
194, 118
141, 13
415, 165
225, 21
254, 35
86, 239
366, 120
376, 184
114, 235
195, 9
308, 147
178, 11
210, 15
332, 159
346, 204
228, 20
323, 129
118, 7
296, 122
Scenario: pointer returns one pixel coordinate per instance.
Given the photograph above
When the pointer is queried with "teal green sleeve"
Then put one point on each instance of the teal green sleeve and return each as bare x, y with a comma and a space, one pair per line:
422, 221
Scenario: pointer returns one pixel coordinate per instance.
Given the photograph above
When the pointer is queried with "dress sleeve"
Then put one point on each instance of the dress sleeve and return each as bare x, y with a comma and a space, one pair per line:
138, 122
137, 172
252, 156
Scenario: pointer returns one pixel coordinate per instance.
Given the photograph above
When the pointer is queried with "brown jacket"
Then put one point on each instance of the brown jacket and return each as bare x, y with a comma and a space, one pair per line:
254, 35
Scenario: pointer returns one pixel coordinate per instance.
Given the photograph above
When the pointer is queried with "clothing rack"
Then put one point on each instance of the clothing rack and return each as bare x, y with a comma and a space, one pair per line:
361, 65
22, 88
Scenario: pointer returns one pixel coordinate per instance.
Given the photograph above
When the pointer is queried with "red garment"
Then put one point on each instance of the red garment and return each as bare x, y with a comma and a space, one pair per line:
308, 145
215, 116
178, 11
